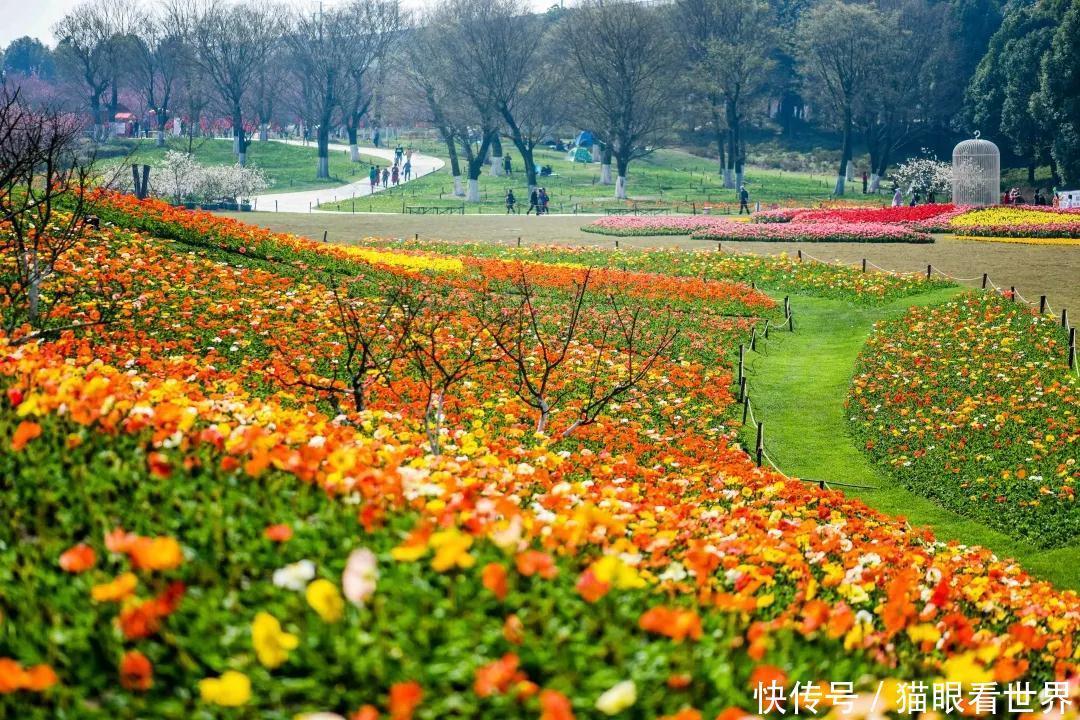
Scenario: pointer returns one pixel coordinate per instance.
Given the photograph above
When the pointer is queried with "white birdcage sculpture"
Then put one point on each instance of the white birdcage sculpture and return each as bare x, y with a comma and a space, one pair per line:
976, 168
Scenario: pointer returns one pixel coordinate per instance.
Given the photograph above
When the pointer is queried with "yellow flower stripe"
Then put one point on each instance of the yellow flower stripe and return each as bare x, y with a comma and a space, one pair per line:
411, 262
1011, 216
1024, 241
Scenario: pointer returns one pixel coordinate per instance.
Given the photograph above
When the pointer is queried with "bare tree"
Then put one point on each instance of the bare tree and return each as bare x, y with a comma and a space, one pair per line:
729, 43
621, 56
159, 57
503, 44
231, 43
541, 339
90, 46
421, 57
45, 178
536, 347
444, 350
470, 102
838, 46
322, 45
378, 23
374, 332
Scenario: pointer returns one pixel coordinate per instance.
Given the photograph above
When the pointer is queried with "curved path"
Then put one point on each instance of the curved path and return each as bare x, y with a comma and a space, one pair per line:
309, 200
798, 385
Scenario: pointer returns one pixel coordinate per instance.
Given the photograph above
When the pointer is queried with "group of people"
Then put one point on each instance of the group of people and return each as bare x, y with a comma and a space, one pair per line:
1016, 197
399, 172
538, 201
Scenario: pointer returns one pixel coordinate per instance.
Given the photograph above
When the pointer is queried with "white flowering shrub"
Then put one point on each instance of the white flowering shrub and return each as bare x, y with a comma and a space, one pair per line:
923, 176
179, 178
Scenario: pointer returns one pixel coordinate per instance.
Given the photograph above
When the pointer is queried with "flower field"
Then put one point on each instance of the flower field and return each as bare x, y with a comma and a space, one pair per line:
288, 479
629, 225
779, 273
973, 404
902, 215
1018, 222
823, 231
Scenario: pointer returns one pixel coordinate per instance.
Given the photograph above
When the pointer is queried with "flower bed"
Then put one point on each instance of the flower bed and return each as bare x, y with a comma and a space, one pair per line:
903, 215
1018, 222
814, 232
629, 225
777, 272
972, 404
204, 524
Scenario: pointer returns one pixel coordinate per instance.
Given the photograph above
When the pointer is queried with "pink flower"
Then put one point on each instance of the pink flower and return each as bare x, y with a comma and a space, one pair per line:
361, 576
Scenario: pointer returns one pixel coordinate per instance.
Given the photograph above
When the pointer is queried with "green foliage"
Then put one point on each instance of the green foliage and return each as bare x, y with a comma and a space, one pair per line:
1060, 93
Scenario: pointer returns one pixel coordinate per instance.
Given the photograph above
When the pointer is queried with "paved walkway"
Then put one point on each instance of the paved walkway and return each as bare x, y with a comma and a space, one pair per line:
309, 200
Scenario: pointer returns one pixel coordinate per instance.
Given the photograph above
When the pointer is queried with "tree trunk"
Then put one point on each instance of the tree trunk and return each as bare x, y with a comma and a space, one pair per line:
605, 166
1031, 172
354, 146
731, 110
459, 190
530, 165
239, 143
845, 154
264, 132
622, 164
719, 134
474, 190
323, 172
496, 157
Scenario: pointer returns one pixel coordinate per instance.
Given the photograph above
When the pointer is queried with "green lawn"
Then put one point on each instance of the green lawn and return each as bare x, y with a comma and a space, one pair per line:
798, 384
667, 178
288, 167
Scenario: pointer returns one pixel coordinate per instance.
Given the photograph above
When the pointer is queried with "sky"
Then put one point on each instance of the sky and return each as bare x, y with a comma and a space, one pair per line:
37, 17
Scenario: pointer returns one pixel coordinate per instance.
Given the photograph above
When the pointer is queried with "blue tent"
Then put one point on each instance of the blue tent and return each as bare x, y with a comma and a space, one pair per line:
585, 139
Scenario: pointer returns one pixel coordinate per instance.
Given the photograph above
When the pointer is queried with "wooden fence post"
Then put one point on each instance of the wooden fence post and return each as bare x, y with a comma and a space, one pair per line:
1042, 304
324, 233
986, 278
745, 408
929, 270
760, 441
864, 264
1064, 318
753, 339
1012, 291
742, 358
800, 255
742, 389
1072, 348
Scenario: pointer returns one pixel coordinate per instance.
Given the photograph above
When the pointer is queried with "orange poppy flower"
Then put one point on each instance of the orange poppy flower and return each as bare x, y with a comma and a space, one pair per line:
136, 671
493, 577
78, 558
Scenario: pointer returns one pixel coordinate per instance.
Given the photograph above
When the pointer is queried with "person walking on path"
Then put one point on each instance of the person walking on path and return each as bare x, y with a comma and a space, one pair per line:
407, 169
897, 198
744, 200
398, 152
544, 200
507, 165
534, 202
511, 201
395, 176
385, 177
373, 176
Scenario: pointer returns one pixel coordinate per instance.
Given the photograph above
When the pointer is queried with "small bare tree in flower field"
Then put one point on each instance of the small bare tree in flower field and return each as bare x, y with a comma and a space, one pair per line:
45, 179
621, 353
374, 332
447, 342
